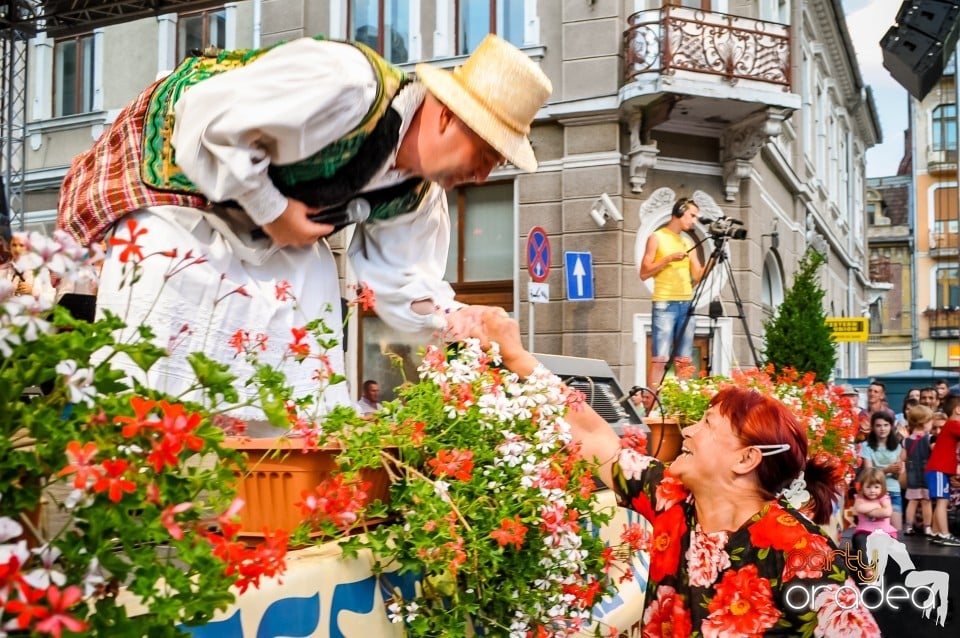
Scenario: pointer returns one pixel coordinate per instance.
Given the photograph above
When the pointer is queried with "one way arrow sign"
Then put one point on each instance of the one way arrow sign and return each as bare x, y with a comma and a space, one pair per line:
578, 273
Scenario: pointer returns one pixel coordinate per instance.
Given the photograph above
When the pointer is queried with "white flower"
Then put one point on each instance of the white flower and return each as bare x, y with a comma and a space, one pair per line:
93, 579
44, 576
9, 529
79, 381
393, 613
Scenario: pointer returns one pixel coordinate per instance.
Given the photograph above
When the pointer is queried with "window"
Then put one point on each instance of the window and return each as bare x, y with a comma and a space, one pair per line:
876, 321
73, 75
948, 288
476, 18
197, 31
946, 223
771, 283
383, 25
482, 244
480, 267
943, 128
775, 11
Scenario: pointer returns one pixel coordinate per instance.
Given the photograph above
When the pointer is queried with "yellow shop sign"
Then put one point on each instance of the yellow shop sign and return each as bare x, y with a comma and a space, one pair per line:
849, 328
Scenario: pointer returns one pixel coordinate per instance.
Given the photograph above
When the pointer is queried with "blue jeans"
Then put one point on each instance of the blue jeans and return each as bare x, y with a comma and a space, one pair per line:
668, 317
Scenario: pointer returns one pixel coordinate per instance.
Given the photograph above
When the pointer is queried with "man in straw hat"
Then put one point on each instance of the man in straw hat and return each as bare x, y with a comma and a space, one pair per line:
248, 158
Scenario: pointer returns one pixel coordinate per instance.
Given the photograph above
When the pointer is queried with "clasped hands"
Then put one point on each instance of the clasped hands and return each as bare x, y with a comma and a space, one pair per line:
294, 228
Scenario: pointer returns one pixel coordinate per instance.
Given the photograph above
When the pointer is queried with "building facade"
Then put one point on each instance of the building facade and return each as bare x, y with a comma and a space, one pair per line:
935, 174
755, 108
890, 223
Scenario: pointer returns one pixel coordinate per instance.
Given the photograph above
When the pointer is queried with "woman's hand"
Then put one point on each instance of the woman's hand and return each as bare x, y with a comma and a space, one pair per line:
500, 328
293, 228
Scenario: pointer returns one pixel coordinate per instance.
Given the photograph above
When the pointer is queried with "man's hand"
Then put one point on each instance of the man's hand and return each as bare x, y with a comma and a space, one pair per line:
292, 228
23, 288
680, 256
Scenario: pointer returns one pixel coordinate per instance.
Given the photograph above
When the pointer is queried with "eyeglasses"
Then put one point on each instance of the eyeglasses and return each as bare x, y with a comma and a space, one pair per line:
772, 449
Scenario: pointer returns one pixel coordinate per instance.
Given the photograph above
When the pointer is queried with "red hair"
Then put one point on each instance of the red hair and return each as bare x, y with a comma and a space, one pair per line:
757, 419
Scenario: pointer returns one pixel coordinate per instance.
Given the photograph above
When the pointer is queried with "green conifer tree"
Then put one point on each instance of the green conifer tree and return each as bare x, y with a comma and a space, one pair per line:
798, 336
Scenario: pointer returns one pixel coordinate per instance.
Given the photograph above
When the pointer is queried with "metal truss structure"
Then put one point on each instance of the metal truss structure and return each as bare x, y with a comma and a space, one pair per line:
21, 20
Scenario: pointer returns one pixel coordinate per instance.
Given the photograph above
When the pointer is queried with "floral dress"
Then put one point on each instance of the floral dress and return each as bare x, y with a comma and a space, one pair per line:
775, 576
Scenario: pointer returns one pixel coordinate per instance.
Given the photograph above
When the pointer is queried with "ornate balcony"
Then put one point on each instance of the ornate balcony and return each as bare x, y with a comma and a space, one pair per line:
675, 39
944, 323
710, 74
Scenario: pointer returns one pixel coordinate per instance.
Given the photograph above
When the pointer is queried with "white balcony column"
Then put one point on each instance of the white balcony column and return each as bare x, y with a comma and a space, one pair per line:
97, 104
531, 23
166, 43
42, 66
230, 26
338, 19
445, 33
415, 43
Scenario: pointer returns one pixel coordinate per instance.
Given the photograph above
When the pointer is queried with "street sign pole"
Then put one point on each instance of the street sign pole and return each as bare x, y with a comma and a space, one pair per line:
538, 267
531, 323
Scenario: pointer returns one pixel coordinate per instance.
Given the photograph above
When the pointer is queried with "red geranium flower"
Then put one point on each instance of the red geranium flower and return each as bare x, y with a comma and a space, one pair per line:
511, 531
668, 529
132, 249
455, 463
81, 462
743, 605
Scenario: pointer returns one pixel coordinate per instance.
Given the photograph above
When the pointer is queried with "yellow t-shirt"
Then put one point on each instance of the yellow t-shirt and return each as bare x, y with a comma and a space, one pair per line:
673, 283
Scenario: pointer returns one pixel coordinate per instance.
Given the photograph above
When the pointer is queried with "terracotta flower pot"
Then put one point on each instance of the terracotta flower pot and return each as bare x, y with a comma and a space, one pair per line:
274, 484
665, 439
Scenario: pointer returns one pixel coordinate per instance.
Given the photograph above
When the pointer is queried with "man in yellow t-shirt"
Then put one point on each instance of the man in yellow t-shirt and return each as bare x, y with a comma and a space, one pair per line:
675, 269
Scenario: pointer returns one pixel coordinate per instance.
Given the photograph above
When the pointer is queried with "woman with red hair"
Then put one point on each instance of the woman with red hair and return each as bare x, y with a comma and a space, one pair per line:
729, 556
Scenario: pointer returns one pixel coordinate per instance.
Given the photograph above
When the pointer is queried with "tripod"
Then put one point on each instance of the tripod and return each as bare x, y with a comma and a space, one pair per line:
718, 256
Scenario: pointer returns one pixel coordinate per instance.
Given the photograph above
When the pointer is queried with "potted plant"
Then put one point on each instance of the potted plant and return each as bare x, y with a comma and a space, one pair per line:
138, 482
490, 506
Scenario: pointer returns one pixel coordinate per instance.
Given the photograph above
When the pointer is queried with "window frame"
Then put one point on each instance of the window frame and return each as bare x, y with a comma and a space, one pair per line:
382, 27
943, 282
940, 123
80, 41
493, 292
205, 29
460, 47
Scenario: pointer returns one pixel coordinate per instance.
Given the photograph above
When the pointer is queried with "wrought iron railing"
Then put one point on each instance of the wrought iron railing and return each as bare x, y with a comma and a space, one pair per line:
675, 39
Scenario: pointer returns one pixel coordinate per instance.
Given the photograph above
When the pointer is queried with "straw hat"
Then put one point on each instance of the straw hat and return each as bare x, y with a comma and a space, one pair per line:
497, 93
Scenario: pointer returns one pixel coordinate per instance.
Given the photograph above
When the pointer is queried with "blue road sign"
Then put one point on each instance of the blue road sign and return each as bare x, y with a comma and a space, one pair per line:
578, 272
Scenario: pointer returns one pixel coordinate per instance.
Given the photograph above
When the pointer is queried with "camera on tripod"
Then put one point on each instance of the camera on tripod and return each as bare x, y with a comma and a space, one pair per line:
727, 227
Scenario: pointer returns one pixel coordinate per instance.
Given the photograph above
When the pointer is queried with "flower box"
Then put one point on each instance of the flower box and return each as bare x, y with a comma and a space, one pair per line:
279, 471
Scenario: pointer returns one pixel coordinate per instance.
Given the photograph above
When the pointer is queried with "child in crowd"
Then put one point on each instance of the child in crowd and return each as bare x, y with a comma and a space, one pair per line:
882, 450
939, 418
917, 449
941, 466
874, 509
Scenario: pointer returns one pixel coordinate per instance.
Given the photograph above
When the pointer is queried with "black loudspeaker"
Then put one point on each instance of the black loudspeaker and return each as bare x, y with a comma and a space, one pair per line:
917, 49
933, 17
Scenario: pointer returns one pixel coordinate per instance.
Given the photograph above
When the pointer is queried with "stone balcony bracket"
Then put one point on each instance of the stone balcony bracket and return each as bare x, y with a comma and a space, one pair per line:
741, 142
